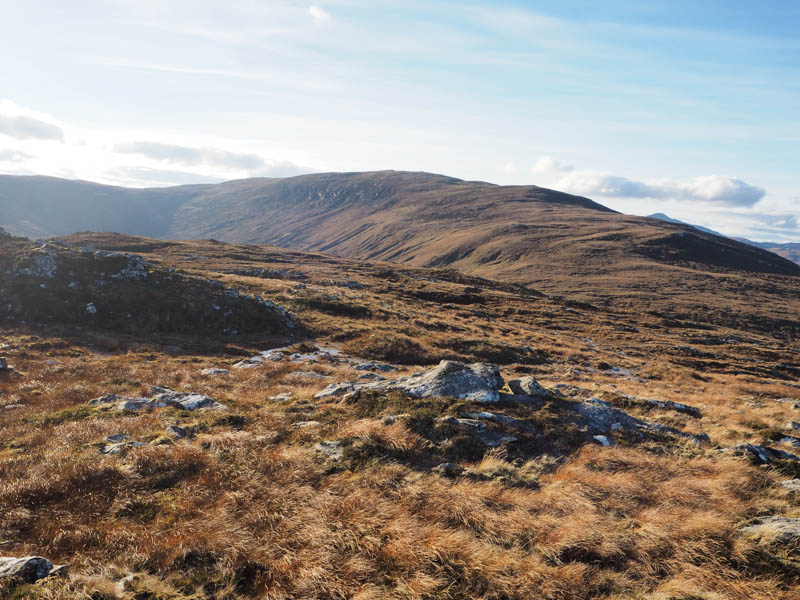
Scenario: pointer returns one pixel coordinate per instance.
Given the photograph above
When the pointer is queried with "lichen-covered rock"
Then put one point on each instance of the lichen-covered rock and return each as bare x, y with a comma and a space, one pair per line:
478, 382
29, 568
163, 398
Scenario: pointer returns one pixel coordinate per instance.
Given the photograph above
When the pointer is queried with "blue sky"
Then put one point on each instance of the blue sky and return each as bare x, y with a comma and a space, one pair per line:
687, 108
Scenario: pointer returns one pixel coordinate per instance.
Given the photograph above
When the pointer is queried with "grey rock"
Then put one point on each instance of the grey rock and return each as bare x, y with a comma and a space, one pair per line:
602, 418
478, 382
29, 568
91, 308
309, 375
117, 437
677, 407
120, 448
214, 371
135, 404
186, 400
336, 389
333, 449
792, 425
763, 455
448, 469
178, 432
282, 397
602, 440
527, 386
775, 530
4, 364
305, 424
374, 366
249, 363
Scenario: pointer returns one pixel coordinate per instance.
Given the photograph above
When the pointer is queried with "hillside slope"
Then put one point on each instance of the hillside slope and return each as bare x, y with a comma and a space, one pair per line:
547, 240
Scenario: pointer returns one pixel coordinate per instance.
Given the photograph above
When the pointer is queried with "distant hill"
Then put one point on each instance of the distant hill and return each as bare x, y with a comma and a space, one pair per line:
788, 250
546, 240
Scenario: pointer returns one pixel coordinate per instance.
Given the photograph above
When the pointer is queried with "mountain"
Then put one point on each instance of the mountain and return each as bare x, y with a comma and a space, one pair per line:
788, 250
543, 239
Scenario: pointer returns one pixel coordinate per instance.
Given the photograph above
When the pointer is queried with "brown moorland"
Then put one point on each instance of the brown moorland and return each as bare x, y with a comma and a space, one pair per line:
246, 505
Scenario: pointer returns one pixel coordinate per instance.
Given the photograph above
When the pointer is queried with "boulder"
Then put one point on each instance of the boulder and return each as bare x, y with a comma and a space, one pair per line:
478, 382
527, 386
775, 530
29, 568
214, 371
185, 400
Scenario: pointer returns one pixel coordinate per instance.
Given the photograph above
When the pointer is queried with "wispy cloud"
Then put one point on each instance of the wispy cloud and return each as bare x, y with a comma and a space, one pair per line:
22, 127
14, 156
190, 156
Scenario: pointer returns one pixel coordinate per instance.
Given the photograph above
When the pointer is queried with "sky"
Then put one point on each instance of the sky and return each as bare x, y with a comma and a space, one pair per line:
690, 108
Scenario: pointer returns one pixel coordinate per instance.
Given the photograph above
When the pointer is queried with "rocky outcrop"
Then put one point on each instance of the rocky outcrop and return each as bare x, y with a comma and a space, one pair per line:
29, 568
163, 397
478, 382
602, 419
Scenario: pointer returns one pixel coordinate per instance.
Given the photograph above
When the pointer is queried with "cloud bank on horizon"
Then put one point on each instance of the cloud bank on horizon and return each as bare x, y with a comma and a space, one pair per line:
682, 108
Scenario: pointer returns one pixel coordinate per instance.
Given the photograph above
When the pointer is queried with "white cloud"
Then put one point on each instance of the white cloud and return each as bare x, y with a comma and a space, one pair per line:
320, 15
549, 165
22, 127
707, 189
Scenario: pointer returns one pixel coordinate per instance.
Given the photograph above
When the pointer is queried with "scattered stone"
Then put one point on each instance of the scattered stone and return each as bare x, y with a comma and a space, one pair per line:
763, 455
333, 449
775, 530
374, 366
178, 432
91, 308
337, 389
4, 365
120, 448
305, 424
793, 485
29, 568
527, 386
164, 397
282, 397
186, 400
249, 363
309, 375
117, 437
448, 469
214, 371
602, 440
677, 407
